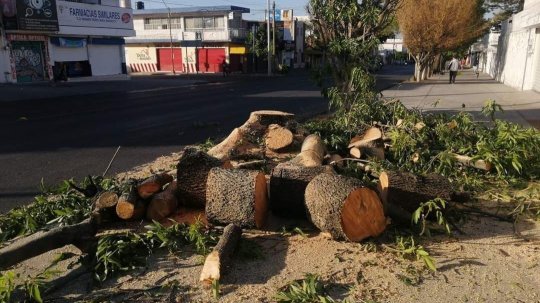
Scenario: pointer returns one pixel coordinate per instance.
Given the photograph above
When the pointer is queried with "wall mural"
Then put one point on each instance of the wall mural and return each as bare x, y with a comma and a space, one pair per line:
28, 58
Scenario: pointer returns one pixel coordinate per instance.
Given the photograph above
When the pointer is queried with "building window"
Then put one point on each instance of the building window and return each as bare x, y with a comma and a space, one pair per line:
162, 23
204, 22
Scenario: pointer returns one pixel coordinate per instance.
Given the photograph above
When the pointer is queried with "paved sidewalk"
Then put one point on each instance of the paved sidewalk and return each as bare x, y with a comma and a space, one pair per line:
470, 92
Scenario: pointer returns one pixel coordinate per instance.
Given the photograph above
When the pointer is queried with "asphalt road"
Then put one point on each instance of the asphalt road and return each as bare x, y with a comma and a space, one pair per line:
55, 133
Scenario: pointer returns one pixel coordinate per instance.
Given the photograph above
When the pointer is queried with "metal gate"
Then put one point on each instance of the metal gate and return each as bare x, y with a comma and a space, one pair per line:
165, 62
28, 57
211, 59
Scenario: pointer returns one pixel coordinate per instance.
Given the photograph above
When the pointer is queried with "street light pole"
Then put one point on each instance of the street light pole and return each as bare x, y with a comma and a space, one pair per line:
170, 36
268, 38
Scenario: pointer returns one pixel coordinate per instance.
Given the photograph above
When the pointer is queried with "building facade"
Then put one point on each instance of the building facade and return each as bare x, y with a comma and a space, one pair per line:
63, 40
187, 40
512, 55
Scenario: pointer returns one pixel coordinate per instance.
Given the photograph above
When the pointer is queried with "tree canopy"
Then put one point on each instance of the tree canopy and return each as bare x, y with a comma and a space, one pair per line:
430, 27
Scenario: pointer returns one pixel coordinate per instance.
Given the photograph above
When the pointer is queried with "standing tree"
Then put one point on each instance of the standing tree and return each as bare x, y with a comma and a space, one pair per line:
348, 32
431, 27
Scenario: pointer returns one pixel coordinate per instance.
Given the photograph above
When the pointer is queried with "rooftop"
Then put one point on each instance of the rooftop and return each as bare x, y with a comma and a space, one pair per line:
192, 10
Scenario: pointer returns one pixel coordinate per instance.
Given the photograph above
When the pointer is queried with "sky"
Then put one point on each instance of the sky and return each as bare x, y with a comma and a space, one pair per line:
257, 7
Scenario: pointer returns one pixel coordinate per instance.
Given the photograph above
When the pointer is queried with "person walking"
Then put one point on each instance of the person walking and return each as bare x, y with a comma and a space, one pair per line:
453, 67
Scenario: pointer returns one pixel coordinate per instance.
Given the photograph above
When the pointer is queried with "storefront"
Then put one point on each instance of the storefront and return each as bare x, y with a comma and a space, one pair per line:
65, 40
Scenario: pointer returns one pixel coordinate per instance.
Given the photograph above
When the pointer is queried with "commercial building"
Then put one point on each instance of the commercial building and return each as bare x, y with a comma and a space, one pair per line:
54, 39
187, 40
512, 54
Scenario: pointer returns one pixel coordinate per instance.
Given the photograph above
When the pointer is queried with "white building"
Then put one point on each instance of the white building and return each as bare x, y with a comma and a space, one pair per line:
43, 40
513, 55
199, 39
391, 46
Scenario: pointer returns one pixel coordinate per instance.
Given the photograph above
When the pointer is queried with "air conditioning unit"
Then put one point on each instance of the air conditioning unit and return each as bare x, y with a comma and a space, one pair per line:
198, 36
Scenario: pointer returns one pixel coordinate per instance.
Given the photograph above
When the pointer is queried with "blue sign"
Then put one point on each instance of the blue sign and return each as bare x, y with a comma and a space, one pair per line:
278, 15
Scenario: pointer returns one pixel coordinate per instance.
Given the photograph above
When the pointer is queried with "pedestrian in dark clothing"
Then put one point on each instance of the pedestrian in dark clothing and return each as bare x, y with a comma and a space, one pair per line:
453, 67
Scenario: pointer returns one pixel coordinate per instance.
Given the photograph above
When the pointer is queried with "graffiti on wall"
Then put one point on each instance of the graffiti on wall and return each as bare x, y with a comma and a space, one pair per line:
28, 59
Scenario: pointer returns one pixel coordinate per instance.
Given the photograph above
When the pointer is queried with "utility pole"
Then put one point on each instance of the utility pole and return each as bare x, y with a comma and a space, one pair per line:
274, 32
170, 36
268, 39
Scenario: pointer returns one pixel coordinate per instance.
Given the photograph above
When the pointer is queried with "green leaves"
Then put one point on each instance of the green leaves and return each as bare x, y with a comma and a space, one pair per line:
308, 290
406, 248
433, 207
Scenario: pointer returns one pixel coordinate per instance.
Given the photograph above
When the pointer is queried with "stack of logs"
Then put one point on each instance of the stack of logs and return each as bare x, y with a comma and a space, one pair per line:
306, 186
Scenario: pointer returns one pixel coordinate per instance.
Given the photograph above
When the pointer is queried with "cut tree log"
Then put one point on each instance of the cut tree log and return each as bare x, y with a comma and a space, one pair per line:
218, 261
236, 196
153, 185
312, 152
81, 235
130, 206
355, 152
185, 215
254, 128
288, 184
278, 137
192, 173
344, 208
106, 199
468, 161
163, 204
408, 191
370, 144
372, 134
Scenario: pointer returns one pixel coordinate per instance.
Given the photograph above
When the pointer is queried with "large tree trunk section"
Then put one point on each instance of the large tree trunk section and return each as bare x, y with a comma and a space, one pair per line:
219, 259
81, 235
267, 117
252, 129
312, 152
163, 204
130, 206
192, 172
288, 184
236, 196
408, 191
344, 208
278, 137
153, 185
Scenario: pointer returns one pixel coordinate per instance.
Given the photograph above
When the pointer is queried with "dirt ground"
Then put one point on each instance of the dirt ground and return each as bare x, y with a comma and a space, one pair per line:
492, 261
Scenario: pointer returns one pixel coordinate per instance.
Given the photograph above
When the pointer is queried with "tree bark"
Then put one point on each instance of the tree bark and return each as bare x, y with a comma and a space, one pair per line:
153, 185
192, 173
81, 235
288, 184
106, 199
344, 208
408, 191
236, 196
218, 261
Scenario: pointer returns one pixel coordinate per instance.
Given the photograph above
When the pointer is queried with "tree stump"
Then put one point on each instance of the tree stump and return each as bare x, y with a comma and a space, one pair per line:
344, 208
288, 184
408, 191
254, 128
192, 173
236, 196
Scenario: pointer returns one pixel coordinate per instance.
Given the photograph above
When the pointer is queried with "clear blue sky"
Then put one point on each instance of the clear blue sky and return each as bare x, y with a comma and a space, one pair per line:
257, 7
